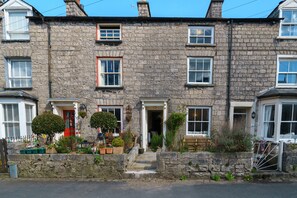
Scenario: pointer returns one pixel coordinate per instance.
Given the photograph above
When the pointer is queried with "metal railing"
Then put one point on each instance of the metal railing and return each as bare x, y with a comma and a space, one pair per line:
28, 139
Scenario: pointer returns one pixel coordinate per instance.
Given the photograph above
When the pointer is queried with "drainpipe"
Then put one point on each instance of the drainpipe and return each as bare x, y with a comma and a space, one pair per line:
49, 60
230, 44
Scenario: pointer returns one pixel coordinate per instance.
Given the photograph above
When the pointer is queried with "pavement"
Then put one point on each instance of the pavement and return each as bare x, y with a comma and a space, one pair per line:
19, 188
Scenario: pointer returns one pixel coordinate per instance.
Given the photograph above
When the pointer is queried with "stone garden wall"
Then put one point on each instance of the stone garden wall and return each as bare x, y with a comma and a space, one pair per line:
203, 164
70, 166
290, 158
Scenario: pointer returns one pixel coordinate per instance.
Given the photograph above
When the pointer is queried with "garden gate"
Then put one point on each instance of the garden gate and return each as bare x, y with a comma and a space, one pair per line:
3, 156
268, 156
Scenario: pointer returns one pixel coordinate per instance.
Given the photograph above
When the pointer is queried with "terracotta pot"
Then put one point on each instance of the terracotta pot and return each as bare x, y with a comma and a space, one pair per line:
102, 151
108, 150
51, 151
118, 150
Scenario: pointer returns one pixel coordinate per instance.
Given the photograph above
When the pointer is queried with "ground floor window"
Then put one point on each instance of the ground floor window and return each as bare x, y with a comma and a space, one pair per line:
117, 111
198, 120
279, 120
16, 118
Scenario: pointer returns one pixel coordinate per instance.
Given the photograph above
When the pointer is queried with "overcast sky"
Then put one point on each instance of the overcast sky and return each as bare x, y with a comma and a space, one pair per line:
161, 8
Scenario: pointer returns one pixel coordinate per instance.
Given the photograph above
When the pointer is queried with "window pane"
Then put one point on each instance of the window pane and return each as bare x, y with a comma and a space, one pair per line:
199, 77
110, 66
206, 64
269, 113
191, 126
285, 30
192, 64
200, 40
295, 113
199, 64
198, 116
198, 126
294, 128
293, 66
205, 115
285, 128
18, 21
116, 79
192, 77
205, 127
284, 66
116, 66
292, 78
191, 115
287, 112
269, 130
282, 78
208, 32
118, 114
288, 16
207, 40
206, 77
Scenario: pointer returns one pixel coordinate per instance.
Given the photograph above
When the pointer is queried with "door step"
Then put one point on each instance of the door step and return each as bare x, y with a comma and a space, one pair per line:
140, 174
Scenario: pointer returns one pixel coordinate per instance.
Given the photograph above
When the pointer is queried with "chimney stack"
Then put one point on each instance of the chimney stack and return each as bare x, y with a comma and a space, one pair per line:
215, 9
74, 8
143, 8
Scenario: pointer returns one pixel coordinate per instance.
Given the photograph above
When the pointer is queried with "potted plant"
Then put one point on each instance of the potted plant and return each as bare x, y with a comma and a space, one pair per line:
109, 149
102, 149
50, 149
118, 145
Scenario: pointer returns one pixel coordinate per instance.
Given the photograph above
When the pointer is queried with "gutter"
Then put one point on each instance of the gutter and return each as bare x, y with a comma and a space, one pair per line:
230, 48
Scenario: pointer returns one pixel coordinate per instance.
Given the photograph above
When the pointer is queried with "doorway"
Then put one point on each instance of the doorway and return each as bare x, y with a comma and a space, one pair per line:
155, 123
69, 119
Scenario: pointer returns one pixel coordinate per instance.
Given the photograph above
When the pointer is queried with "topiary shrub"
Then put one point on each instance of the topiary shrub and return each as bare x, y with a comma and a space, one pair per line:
118, 142
49, 124
103, 120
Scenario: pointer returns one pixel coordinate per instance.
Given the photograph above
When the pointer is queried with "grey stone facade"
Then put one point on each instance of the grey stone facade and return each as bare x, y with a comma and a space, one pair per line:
154, 56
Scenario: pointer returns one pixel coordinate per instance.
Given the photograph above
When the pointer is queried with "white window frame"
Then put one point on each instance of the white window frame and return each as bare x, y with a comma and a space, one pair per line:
209, 122
100, 72
29, 133
7, 33
114, 107
277, 118
22, 114
203, 28
284, 57
282, 23
113, 38
211, 71
9, 76
291, 121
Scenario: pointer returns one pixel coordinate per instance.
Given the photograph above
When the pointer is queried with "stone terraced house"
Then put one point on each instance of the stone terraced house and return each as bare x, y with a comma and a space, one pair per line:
143, 68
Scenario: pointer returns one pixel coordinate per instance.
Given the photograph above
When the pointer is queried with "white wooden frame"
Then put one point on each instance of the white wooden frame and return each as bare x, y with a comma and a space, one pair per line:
201, 27
120, 73
209, 118
285, 57
210, 69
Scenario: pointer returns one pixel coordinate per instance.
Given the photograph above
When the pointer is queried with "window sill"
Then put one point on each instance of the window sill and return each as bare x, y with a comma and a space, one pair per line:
108, 88
15, 41
198, 85
200, 45
286, 38
109, 42
18, 88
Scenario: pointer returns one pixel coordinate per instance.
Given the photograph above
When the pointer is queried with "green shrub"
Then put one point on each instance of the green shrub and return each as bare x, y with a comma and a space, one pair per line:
128, 139
173, 123
49, 124
183, 178
248, 177
63, 145
229, 176
235, 140
97, 159
118, 142
103, 120
156, 142
215, 177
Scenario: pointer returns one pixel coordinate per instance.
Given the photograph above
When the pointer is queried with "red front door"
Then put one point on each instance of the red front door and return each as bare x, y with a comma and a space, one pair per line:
69, 123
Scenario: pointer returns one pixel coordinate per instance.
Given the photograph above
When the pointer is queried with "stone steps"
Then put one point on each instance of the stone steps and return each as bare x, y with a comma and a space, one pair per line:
4, 175
143, 167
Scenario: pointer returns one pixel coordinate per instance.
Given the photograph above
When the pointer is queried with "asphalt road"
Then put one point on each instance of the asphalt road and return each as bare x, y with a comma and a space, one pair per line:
153, 189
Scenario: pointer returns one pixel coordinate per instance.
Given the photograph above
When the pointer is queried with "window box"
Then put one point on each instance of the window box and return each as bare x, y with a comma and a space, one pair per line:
200, 35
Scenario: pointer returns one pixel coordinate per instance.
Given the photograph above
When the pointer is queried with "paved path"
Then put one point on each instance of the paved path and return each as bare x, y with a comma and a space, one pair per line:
136, 189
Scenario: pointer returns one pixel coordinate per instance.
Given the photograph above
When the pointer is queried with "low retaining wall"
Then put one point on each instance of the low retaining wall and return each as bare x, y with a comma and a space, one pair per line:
70, 166
290, 159
131, 157
203, 164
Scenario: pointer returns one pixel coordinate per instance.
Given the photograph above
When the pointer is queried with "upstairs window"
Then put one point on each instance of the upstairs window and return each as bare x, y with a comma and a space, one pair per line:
19, 73
109, 72
287, 72
16, 25
109, 32
200, 35
199, 70
289, 24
